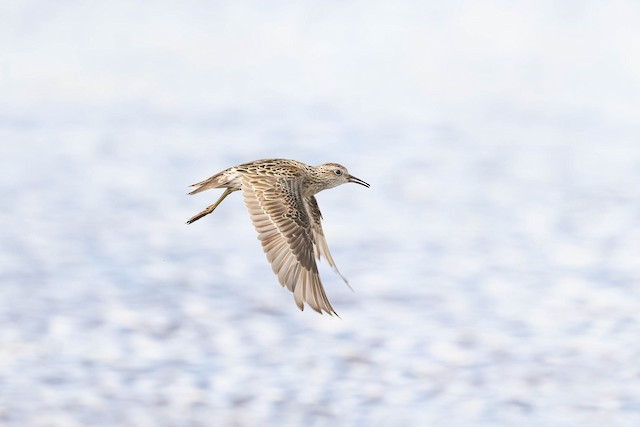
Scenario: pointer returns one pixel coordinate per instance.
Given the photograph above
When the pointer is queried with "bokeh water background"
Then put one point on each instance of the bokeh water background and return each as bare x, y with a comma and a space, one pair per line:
495, 258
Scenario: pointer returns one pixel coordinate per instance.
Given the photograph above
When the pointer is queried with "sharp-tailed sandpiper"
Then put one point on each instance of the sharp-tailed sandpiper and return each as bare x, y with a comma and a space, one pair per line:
279, 195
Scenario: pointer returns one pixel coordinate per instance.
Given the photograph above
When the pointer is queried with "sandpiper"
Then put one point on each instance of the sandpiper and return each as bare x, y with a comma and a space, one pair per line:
279, 195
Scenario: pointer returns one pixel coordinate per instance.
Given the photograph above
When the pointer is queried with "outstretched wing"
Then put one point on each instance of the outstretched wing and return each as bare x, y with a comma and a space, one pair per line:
285, 230
322, 249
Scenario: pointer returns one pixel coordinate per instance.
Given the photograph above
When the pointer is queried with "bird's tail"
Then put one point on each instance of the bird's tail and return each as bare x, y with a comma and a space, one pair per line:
219, 180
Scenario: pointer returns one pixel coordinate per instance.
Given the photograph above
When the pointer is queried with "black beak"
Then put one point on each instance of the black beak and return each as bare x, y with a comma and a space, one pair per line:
358, 181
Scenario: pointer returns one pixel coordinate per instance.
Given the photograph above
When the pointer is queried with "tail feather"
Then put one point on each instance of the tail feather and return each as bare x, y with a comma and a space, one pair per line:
216, 181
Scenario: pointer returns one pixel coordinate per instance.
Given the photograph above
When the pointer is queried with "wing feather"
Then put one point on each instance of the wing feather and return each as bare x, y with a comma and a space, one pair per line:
286, 231
321, 247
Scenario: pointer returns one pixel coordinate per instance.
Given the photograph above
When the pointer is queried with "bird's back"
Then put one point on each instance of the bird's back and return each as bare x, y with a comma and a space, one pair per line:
284, 168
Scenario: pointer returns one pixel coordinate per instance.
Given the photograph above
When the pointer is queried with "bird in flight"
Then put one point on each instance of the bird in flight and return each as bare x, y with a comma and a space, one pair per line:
279, 195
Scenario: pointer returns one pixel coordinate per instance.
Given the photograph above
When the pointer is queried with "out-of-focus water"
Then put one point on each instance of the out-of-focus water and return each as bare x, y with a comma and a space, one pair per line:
495, 258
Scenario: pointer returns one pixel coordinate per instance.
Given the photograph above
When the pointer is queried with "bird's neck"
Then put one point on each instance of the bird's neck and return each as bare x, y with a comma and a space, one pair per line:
312, 186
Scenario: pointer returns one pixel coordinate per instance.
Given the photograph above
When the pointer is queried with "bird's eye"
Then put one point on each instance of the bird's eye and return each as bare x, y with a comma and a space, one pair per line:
338, 172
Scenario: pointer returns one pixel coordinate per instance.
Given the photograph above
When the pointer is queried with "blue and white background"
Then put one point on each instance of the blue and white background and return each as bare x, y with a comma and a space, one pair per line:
495, 258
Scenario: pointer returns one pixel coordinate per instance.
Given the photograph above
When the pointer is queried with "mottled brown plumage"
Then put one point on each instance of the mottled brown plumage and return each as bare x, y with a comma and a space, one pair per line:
279, 195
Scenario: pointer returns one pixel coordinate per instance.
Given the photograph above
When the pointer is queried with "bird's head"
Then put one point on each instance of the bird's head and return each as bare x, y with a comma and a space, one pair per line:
333, 174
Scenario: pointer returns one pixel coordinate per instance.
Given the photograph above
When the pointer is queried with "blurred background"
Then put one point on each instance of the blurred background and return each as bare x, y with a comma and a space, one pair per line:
495, 258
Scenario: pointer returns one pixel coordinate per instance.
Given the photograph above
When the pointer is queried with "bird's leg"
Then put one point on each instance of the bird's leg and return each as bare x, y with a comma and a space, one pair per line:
211, 208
